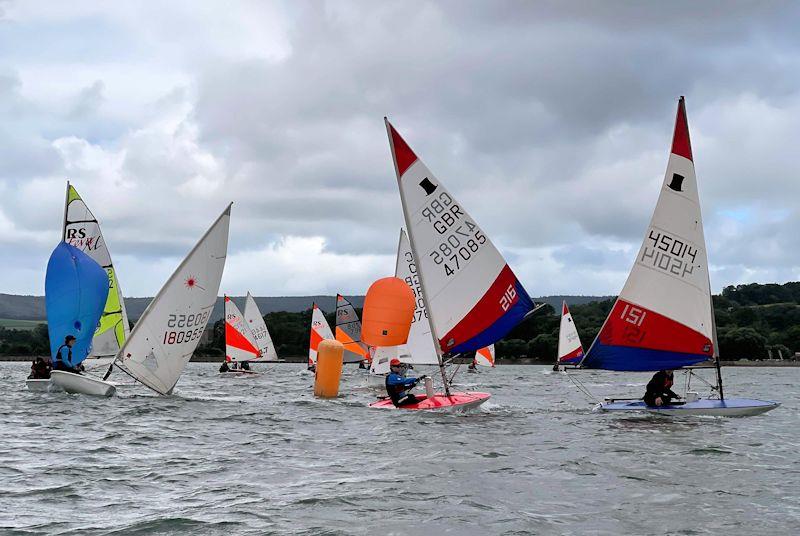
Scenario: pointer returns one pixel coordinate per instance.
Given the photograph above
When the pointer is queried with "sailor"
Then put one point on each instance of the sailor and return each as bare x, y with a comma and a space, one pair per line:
659, 389
473, 366
398, 386
245, 365
63, 360
555, 367
224, 366
40, 369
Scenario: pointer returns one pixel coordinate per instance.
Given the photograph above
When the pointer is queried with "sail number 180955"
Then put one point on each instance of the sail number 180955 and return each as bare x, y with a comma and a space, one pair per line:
190, 327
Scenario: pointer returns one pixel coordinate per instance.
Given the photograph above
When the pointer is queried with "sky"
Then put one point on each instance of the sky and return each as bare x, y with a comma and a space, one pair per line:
550, 122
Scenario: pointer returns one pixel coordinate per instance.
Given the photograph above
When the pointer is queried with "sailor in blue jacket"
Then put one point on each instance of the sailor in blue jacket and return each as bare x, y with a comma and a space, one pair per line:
63, 359
398, 386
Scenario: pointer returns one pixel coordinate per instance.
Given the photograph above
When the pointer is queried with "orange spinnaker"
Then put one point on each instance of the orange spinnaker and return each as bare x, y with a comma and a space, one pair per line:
388, 312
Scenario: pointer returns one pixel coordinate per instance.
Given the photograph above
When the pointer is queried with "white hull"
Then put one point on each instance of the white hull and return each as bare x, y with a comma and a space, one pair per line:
39, 386
80, 384
733, 407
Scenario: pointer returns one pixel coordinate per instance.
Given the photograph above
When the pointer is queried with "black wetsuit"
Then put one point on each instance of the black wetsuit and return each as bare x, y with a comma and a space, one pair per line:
660, 387
224, 367
40, 369
397, 388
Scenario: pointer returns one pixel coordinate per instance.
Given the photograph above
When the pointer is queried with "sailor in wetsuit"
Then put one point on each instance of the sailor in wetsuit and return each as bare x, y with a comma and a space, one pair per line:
659, 389
40, 369
398, 386
63, 359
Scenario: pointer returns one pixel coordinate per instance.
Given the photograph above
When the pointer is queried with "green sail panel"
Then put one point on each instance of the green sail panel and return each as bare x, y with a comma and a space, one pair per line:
82, 231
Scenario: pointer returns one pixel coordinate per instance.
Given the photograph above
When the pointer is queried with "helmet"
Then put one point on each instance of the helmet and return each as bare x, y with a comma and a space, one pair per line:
394, 362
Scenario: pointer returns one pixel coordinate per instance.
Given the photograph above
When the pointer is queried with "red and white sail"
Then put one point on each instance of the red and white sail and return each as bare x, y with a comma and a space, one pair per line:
473, 298
348, 331
252, 315
320, 331
663, 317
240, 344
485, 356
570, 349
419, 348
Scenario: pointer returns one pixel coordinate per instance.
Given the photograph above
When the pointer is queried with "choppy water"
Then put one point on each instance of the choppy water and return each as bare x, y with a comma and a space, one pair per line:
260, 455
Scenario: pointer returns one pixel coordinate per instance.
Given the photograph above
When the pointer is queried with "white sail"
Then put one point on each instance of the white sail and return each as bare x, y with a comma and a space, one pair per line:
82, 231
570, 349
419, 349
259, 329
165, 337
348, 331
382, 356
663, 318
472, 297
485, 356
240, 343
320, 331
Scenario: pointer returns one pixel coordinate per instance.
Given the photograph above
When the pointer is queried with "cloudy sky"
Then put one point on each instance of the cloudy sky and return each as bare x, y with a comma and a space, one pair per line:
550, 121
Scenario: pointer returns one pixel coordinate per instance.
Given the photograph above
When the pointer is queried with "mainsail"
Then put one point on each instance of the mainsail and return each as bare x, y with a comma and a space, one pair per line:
240, 343
663, 317
348, 331
419, 349
320, 331
76, 288
259, 329
570, 349
485, 356
473, 298
82, 231
165, 337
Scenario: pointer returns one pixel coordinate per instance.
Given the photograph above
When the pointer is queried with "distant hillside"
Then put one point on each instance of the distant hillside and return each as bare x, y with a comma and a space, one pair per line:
32, 307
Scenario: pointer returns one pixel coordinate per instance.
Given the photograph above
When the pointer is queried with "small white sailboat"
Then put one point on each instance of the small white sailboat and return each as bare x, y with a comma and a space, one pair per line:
320, 331
258, 328
472, 297
664, 318
167, 334
348, 332
570, 349
240, 342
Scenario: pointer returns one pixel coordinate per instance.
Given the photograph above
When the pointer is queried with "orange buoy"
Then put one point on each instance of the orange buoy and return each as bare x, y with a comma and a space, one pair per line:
329, 369
388, 312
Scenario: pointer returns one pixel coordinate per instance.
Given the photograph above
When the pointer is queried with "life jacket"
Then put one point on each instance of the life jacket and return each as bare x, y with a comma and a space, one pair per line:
395, 391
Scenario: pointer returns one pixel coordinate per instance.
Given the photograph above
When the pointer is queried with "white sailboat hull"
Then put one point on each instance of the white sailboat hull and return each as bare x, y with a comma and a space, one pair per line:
80, 384
730, 407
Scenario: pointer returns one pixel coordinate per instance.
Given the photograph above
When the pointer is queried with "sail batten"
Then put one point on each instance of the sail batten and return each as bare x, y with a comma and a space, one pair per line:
663, 318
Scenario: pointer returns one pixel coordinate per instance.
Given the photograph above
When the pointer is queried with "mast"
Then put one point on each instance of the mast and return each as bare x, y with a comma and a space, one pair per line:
436, 344
66, 206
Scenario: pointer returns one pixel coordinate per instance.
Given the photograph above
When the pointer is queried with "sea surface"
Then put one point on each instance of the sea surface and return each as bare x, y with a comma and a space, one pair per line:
261, 455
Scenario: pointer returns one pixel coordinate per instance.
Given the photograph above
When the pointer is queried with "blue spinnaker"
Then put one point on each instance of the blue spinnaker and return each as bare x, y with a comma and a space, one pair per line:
76, 288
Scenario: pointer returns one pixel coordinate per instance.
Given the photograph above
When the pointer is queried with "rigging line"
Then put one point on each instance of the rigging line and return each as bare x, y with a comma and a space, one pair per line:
582, 388
709, 384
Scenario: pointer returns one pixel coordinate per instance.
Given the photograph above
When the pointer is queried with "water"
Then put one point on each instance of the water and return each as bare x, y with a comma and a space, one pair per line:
260, 455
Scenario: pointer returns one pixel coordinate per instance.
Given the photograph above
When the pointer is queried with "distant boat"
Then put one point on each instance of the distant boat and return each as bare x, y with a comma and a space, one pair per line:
240, 343
259, 329
167, 333
472, 297
76, 289
664, 317
570, 349
485, 356
82, 231
348, 332
320, 331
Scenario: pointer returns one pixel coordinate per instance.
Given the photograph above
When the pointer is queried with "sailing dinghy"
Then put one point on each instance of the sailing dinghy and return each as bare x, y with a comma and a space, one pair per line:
76, 289
485, 356
570, 349
472, 297
240, 342
320, 331
664, 316
166, 335
348, 332
258, 328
